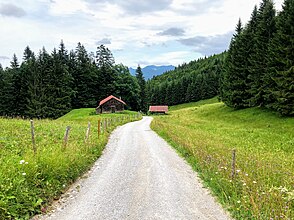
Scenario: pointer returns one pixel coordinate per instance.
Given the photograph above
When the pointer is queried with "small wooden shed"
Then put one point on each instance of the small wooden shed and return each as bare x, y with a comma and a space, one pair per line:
111, 104
158, 109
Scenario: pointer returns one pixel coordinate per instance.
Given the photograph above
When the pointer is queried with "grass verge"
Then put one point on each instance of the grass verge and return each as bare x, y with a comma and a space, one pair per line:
205, 133
28, 181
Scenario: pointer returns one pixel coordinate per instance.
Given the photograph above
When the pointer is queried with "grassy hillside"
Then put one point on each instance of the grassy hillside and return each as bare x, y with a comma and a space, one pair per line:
205, 133
28, 182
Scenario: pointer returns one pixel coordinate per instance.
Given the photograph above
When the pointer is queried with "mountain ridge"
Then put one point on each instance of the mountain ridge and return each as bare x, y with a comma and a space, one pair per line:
153, 70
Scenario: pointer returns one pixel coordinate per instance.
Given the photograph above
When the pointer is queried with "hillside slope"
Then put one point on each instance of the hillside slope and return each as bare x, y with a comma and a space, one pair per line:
205, 134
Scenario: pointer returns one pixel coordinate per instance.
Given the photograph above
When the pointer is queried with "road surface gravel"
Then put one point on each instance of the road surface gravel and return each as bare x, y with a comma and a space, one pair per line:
139, 176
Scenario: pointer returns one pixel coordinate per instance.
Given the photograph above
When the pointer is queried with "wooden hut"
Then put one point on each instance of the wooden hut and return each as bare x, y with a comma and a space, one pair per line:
111, 104
163, 109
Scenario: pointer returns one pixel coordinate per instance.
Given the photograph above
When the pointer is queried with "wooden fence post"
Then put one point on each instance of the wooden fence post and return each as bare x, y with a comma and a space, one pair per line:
102, 126
65, 139
88, 132
33, 136
233, 163
105, 124
99, 127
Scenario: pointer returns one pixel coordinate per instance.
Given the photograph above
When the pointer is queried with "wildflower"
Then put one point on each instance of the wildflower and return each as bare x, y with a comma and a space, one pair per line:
21, 162
230, 181
225, 168
63, 185
216, 172
238, 171
24, 174
246, 174
238, 201
254, 182
26, 162
244, 184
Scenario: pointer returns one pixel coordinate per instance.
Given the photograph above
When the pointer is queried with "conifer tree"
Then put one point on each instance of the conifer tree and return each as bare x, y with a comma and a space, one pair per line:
27, 71
104, 57
106, 73
64, 57
259, 67
85, 80
142, 84
16, 84
35, 90
281, 62
234, 80
44, 65
61, 92
248, 42
6, 89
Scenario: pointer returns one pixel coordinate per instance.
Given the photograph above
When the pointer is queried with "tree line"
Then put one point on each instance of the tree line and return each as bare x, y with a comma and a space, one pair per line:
189, 82
48, 85
259, 69
256, 71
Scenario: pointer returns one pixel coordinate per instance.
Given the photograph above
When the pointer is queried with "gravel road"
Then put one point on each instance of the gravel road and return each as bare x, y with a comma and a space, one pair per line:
139, 176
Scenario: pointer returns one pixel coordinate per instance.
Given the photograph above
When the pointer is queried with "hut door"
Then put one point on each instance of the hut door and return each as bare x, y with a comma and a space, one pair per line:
112, 109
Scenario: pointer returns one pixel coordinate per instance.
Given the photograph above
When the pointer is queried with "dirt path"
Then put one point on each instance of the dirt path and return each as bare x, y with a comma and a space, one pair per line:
139, 176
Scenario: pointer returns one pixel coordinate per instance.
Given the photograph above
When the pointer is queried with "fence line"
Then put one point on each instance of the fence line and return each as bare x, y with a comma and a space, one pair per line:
102, 127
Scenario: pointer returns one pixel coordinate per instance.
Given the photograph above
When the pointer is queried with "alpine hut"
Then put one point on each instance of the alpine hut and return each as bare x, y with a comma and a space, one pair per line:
158, 109
111, 104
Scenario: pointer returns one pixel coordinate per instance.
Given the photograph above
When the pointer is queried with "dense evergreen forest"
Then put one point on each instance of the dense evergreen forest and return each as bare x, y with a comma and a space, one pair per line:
190, 82
49, 85
257, 70
260, 61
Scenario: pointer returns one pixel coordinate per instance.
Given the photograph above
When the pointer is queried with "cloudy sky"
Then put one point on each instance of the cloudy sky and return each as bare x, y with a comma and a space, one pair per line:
136, 31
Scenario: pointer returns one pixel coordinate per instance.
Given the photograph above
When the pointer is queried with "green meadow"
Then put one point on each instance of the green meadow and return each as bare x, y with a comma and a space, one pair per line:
261, 183
30, 181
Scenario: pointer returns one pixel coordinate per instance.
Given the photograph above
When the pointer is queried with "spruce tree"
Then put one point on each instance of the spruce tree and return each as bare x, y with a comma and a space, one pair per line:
106, 73
44, 67
248, 42
259, 68
104, 57
281, 62
142, 84
234, 80
59, 101
35, 92
5, 92
27, 72
16, 84
85, 79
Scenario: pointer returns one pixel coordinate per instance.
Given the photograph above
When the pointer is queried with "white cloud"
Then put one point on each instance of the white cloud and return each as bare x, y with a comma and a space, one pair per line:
11, 10
65, 7
131, 26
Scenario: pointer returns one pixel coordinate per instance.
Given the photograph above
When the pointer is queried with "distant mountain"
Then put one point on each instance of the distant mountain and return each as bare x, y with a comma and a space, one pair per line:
150, 71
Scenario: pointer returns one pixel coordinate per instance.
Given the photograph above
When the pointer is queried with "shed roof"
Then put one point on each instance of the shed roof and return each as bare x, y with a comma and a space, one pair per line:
109, 98
158, 108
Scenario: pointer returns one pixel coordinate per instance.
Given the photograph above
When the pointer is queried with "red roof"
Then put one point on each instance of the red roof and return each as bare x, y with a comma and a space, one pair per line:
109, 98
159, 108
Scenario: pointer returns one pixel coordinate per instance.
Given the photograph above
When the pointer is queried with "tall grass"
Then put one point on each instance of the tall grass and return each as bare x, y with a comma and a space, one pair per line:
205, 134
28, 182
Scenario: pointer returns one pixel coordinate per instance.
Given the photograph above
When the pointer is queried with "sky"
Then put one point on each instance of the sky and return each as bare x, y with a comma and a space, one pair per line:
138, 32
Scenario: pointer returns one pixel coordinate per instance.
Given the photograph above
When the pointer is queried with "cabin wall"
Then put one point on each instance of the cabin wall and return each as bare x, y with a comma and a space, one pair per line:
112, 105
